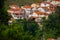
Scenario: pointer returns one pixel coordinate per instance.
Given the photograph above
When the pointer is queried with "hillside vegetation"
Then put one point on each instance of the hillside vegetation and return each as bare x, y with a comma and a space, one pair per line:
21, 2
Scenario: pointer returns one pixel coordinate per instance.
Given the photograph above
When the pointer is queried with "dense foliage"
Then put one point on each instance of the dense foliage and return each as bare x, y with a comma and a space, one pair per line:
52, 25
17, 31
4, 17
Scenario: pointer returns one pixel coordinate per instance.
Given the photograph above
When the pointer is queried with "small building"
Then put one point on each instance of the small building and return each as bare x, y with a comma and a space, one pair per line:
45, 4
15, 11
35, 5
27, 9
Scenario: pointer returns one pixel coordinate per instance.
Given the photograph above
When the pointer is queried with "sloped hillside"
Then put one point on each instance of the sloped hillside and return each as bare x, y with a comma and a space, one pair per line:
21, 2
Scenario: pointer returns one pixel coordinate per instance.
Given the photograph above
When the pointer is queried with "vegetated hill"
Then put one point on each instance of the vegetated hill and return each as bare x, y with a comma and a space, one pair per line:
21, 2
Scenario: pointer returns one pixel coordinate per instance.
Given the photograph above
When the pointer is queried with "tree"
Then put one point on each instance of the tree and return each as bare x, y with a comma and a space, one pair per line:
51, 26
17, 31
4, 17
32, 27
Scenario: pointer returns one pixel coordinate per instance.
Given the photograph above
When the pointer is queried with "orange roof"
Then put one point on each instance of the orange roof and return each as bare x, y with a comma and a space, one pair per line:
38, 12
50, 38
41, 13
46, 14
17, 9
27, 6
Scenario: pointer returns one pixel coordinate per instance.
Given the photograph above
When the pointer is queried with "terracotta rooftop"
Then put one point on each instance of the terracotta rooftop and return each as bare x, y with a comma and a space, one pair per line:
50, 39
39, 13
16, 9
27, 6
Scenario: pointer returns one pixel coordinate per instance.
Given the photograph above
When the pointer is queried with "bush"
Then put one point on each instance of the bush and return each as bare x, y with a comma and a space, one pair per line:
17, 31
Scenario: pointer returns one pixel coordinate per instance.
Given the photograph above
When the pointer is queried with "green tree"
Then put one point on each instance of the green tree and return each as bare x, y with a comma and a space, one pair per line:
4, 17
52, 25
17, 31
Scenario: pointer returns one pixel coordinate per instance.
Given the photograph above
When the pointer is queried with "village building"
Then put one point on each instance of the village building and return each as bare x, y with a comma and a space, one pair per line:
15, 11
35, 10
28, 10
50, 39
45, 4
41, 9
38, 15
55, 2
35, 6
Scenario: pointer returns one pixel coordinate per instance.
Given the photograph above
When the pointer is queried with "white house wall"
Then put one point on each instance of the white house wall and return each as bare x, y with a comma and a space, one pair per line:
55, 2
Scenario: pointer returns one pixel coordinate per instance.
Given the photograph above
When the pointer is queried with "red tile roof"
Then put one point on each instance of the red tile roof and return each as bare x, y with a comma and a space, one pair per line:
27, 6
46, 14
39, 13
50, 38
16, 9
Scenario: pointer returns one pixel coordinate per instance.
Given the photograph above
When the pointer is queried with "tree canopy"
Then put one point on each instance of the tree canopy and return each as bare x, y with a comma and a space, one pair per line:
52, 25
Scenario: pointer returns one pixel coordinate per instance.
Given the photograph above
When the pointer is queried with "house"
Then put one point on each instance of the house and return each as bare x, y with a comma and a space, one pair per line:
37, 15
56, 2
27, 9
36, 4
48, 7
35, 10
41, 15
41, 9
33, 15
50, 39
15, 11
45, 4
